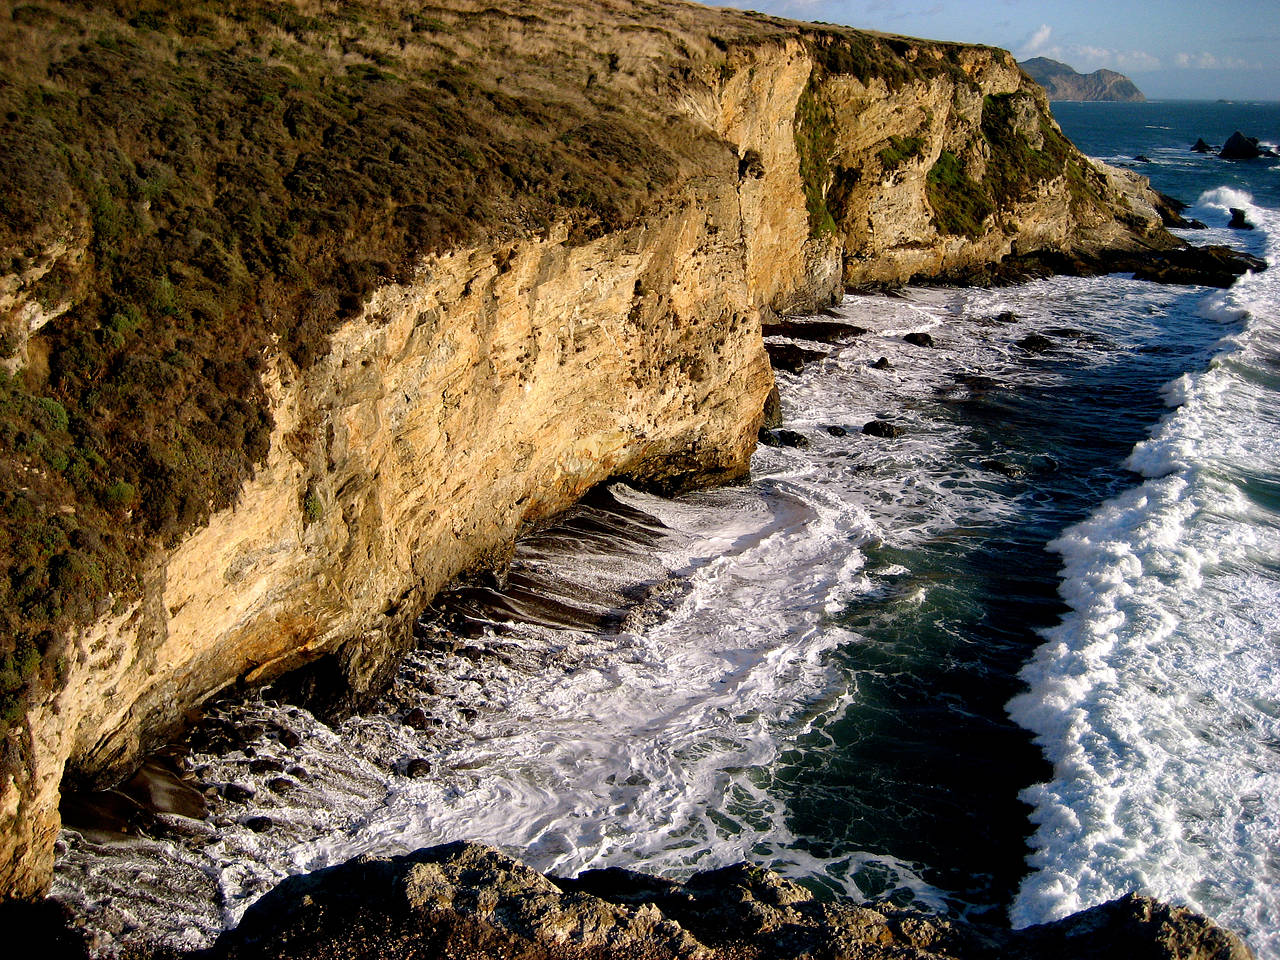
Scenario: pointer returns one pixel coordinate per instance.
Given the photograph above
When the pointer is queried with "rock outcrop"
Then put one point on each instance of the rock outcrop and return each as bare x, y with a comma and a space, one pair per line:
464, 900
1062, 82
1240, 147
487, 387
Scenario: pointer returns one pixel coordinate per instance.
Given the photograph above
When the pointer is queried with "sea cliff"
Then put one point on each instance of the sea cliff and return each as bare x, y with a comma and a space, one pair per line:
481, 372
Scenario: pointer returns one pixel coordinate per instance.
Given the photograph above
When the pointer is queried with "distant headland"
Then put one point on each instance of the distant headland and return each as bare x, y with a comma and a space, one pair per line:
1062, 82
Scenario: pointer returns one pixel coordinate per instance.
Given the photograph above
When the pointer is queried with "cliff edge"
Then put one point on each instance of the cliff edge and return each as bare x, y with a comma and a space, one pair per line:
305, 313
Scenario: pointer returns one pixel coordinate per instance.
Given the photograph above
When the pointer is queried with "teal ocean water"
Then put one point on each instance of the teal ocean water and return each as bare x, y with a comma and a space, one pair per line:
1016, 660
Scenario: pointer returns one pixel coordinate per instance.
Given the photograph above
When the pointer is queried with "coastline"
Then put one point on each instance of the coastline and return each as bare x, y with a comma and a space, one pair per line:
474, 289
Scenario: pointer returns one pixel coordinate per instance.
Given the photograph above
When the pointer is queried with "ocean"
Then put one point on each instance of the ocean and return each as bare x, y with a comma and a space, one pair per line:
1017, 657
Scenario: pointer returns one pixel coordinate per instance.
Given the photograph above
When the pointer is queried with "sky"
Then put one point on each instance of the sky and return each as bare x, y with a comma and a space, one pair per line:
1172, 49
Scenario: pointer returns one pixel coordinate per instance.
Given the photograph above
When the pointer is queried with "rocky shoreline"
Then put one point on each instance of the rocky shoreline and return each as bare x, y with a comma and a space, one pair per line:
454, 395
469, 901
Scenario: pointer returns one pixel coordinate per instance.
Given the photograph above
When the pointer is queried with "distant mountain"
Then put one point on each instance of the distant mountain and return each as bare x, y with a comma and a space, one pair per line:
1063, 83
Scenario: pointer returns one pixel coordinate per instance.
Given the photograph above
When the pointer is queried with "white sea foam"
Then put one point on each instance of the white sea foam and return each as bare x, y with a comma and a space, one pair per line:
1157, 698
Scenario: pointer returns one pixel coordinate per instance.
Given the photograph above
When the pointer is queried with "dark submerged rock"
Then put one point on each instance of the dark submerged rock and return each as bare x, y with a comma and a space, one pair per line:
837, 431
1240, 147
259, 824
48, 923
1003, 468
789, 357
416, 719
789, 438
882, 364
1211, 266
883, 428
919, 339
417, 768
1035, 343
823, 331
1238, 222
237, 793
287, 737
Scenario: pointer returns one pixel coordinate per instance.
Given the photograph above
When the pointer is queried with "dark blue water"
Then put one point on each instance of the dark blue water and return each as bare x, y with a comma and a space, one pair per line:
924, 767
1165, 131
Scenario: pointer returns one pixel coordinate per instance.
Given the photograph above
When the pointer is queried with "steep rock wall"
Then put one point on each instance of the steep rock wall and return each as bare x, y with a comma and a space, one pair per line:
505, 379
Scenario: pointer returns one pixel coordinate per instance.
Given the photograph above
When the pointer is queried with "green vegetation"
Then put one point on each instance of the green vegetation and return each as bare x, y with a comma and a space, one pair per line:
815, 134
899, 151
312, 507
960, 205
897, 61
1015, 168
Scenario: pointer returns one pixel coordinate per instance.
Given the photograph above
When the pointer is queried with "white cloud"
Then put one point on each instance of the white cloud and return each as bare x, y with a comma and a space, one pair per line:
1119, 59
1204, 60
1035, 44
1086, 58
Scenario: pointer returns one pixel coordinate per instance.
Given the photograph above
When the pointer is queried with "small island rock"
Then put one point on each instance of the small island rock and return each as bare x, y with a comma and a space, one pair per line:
1240, 147
1238, 222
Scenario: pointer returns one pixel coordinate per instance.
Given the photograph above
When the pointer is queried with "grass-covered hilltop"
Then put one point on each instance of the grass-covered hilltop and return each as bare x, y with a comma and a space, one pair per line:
306, 308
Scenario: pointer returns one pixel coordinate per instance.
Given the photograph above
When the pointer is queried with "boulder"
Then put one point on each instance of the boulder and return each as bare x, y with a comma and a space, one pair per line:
823, 331
1238, 222
789, 438
417, 768
789, 357
1240, 147
1035, 343
883, 428
919, 339
1201, 147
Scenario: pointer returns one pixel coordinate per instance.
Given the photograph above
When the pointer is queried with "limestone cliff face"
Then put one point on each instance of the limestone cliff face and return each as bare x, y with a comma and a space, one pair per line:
503, 380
